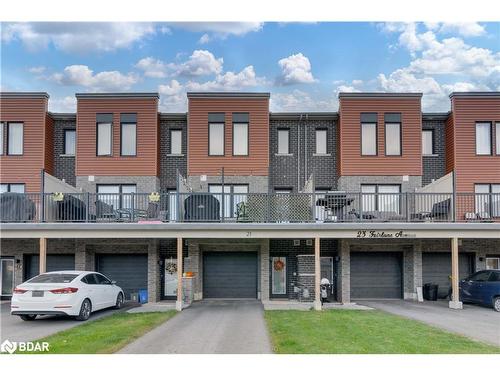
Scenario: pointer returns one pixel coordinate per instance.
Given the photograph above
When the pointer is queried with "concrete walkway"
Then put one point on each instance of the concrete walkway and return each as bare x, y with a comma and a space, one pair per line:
209, 327
478, 323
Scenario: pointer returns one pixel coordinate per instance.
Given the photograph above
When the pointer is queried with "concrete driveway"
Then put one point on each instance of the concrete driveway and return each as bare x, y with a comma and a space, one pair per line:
14, 329
476, 322
209, 327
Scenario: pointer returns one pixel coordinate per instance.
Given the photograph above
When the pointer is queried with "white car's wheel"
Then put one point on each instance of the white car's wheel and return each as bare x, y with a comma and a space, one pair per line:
119, 301
85, 310
28, 317
496, 303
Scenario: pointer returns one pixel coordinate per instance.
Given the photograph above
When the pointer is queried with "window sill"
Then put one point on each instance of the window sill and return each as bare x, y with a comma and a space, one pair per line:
322, 154
174, 155
431, 155
283, 154
67, 155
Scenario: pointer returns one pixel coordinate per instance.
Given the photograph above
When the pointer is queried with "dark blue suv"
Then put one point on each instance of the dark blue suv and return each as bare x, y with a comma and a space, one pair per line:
483, 288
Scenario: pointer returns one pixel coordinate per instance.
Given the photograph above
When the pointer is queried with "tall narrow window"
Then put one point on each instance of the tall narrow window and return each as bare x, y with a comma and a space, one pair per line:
427, 142
497, 134
216, 139
15, 138
392, 134
483, 138
128, 124
104, 134
240, 139
369, 139
69, 142
175, 142
321, 141
1, 137
283, 141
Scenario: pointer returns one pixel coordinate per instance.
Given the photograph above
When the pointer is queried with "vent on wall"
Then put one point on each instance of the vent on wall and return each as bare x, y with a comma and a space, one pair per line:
309, 242
296, 242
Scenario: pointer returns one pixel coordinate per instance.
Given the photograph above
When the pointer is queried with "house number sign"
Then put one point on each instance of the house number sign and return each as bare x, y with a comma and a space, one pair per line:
382, 234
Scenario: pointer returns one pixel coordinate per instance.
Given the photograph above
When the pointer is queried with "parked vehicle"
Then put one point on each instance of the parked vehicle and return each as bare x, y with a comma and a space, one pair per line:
71, 293
483, 288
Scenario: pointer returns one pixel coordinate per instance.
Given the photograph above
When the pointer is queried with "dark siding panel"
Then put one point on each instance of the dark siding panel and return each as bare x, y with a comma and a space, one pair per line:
54, 263
129, 271
230, 275
376, 275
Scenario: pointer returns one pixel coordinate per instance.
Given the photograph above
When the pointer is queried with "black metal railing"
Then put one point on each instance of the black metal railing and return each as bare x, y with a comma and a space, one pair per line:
249, 207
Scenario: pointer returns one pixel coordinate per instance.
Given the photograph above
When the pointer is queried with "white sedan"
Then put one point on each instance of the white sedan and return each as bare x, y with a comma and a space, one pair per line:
72, 293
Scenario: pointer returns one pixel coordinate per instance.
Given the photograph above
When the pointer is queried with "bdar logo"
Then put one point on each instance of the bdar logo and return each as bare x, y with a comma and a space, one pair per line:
8, 347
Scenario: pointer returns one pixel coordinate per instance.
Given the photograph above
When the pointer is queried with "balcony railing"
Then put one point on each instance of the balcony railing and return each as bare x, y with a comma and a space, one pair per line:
249, 208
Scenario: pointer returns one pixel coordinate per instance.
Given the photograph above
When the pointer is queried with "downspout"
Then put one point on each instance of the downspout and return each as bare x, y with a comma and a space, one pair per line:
306, 140
298, 153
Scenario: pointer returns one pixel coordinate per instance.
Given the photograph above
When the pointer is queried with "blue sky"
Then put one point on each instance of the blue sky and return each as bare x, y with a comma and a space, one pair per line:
303, 65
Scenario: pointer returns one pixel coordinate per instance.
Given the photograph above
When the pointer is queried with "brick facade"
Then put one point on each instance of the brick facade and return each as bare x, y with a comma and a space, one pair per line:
434, 166
64, 165
170, 164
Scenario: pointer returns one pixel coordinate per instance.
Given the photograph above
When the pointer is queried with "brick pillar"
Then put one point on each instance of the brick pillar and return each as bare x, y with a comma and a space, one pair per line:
344, 277
192, 264
417, 265
80, 256
154, 287
264, 270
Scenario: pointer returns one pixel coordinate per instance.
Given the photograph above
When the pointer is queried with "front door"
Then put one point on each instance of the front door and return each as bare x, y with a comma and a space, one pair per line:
278, 276
170, 288
6, 276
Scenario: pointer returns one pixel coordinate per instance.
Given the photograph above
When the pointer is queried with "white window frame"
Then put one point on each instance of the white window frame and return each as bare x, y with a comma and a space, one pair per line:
282, 132
395, 149
241, 147
479, 150
128, 148
321, 141
2, 132
8, 188
98, 142
366, 149
73, 152
425, 140
497, 136
176, 142
9, 139
213, 149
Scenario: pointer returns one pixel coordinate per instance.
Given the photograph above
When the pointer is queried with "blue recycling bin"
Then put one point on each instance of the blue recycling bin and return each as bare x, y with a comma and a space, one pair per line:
143, 295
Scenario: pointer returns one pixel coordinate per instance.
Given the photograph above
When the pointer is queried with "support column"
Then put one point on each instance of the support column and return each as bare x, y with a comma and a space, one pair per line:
264, 270
344, 279
178, 304
455, 299
317, 274
43, 255
154, 287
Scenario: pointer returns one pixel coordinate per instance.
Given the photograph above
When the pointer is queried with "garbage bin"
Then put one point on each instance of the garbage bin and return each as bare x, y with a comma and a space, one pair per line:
430, 292
143, 295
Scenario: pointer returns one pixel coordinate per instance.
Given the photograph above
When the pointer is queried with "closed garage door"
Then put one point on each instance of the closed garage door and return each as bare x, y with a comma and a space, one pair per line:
54, 263
376, 275
129, 271
436, 269
230, 275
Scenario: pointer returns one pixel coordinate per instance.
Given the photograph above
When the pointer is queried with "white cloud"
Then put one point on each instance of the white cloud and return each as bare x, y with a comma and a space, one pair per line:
36, 69
295, 69
81, 75
220, 29
172, 88
200, 63
205, 38
65, 105
466, 29
402, 80
299, 100
229, 81
152, 67
77, 36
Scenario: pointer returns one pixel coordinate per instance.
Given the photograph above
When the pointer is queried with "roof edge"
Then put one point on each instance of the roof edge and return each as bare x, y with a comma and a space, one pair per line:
26, 94
475, 94
117, 95
304, 115
62, 115
394, 95
435, 115
228, 94
173, 115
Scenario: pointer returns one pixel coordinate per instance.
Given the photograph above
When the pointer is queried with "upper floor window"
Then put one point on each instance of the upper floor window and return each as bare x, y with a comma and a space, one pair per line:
176, 142
113, 197
69, 142
368, 134
2, 125
283, 141
487, 200
384, 198
321, 141
216, 134
497, 133
128, 138
15, 138
104, 134
427, 142
11, 188
240, 134
483, 138
392, 134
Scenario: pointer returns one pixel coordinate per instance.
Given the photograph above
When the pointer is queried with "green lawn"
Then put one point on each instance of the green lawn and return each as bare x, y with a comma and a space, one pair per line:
106, 335
362, 332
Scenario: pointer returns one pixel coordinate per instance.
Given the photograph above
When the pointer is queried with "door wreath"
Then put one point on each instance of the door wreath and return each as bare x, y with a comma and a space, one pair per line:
171, 268
278, 265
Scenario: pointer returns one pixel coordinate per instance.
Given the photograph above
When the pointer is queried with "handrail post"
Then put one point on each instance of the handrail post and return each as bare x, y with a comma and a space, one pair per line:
42, 207
361, 206
132, 204
223, 205
88, 207
454, 205
313, 206
407, 207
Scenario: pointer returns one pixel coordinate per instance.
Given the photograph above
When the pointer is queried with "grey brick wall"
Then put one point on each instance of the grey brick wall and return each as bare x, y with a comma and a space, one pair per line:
353, 183
256, 184
434, 165
145, 184
169, 164
285, 247
284, 170
64, 165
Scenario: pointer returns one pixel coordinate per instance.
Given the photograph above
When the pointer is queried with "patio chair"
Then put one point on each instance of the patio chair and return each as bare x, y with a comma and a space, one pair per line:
440, 211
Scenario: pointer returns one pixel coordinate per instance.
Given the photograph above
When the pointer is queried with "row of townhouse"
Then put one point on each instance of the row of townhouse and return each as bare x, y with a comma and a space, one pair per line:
378, 198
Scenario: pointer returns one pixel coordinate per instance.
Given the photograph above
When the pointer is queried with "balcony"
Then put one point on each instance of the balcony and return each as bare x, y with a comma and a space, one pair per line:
333, 207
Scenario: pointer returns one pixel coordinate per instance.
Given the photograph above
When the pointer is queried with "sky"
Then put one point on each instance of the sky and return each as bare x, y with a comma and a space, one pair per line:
303, 65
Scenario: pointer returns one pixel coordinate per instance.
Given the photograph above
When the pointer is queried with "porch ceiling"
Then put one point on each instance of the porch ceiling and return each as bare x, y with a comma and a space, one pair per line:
250, 230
